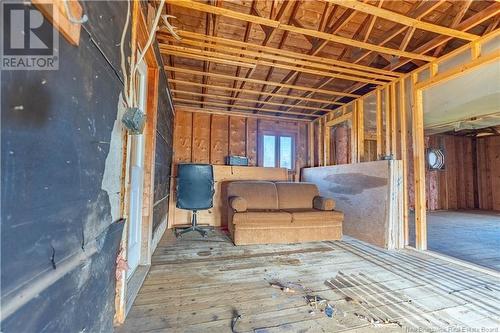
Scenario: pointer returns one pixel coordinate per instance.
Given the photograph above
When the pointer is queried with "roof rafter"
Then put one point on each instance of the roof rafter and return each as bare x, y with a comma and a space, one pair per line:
403, 19
190, 4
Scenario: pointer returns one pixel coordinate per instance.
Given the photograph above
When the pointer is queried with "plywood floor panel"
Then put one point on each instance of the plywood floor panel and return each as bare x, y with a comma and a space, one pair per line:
199, 285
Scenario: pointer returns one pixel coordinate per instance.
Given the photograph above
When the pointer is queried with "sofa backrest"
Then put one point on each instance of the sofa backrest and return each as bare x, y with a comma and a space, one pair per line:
259, 194
296, 195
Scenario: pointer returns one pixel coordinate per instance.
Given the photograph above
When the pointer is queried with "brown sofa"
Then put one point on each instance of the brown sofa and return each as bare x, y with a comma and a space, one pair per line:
263, 212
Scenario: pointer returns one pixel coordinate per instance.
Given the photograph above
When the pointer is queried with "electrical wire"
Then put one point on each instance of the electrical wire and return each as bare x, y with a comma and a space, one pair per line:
122, 54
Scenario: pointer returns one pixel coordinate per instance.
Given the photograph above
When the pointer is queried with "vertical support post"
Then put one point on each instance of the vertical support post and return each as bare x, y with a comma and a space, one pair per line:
379, 122
404, 157
419, 166
320, 142
475, 50
361, 130
311, 143
387, 110
354, 135
327, 145
394, 131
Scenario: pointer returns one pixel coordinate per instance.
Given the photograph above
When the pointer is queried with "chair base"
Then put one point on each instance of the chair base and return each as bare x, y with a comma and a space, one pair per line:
194, 227
181, 231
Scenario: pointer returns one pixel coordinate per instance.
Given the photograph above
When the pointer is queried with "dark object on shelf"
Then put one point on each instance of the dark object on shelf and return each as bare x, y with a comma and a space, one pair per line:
237, 160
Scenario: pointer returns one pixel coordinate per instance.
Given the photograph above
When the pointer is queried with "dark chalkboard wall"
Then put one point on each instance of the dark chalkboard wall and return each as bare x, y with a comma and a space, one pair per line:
55, 137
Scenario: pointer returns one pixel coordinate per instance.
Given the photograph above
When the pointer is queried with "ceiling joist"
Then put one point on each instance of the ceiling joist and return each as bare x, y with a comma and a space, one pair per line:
239, 99
242, 107
253, 92
193, 5
402, 19
229, 77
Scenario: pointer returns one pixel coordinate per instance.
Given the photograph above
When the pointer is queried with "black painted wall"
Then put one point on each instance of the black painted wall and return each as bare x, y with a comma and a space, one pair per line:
55, 137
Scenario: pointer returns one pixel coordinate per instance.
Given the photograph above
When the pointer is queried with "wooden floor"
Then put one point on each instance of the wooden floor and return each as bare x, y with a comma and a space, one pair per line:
472, 236
198, 285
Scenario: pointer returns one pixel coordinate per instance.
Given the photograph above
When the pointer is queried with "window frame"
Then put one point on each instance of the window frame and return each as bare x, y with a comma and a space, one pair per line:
277, 150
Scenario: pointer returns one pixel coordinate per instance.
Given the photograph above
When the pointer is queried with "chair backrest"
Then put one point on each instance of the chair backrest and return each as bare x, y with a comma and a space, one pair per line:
195, 186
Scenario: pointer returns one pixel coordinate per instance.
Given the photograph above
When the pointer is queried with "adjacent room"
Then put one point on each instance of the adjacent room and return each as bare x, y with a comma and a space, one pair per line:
250, 166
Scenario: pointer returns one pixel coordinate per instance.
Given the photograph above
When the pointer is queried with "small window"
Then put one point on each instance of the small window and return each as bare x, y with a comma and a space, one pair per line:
269, 151
277, 151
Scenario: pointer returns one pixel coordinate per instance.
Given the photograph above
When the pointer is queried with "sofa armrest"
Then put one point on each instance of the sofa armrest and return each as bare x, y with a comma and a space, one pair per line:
323, 203
238, 204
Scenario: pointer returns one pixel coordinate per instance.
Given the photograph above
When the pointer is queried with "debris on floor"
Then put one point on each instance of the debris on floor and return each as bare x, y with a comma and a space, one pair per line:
377, 321
320, 304
287, 287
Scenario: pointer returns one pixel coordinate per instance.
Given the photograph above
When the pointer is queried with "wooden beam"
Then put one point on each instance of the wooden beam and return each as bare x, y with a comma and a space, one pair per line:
229, 77
291, 54
419, 168
387, 114
379, 122
360, 130
203, 56
236, 113
402, 19
239, 99
223, 105
404, 156
456, 21
294, 59
190, 4
452, 73
246, 62
310, 150
392, 108
253, 92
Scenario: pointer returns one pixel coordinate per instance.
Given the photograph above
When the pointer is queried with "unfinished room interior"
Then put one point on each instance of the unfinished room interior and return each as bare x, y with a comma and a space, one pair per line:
250, 166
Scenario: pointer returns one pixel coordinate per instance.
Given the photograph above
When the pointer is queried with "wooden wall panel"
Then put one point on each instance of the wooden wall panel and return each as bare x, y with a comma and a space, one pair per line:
251, 144
488, 165
219, 139
201, 138
205, 138
457, 185
237, 136
183, 136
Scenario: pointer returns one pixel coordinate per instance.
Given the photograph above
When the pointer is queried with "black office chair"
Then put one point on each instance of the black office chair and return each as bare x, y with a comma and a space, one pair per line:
195, 191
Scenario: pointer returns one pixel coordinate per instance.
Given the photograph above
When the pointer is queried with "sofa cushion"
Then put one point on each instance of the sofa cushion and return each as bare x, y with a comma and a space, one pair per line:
315, 217
323, 203
258, 194
238, 204
262, 218
296, 195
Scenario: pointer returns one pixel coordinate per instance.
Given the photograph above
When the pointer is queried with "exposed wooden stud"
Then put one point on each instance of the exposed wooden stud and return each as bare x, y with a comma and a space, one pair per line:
404, 156
360, 130
311, 144
387, 114
379, 122
419, 168
402, 19
393, 127
327, 145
